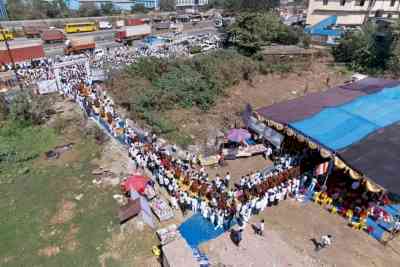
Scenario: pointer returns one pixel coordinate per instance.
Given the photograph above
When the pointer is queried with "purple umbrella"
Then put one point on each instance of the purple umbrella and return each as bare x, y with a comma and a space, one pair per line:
238, 135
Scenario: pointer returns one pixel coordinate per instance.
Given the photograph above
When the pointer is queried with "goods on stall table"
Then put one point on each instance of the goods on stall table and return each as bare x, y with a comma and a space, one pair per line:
161, 209
252, 150
168, 234
207, 161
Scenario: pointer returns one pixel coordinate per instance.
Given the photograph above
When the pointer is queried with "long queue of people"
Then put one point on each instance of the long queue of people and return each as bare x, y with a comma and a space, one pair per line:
187, 183
185, 180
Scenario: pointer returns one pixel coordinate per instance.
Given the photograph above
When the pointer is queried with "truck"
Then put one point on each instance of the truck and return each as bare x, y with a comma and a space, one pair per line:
130, 33
79, 45
27, 50
162, 26
34, 31
134, 22
176, 27
119, 23
105, 25
52, 36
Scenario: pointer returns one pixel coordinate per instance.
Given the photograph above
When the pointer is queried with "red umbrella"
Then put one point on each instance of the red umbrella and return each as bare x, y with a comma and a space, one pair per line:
135, 182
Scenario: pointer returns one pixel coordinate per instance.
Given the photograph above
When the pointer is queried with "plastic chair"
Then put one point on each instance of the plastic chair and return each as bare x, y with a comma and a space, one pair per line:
334, 210
328, 201
349, 214
316, 196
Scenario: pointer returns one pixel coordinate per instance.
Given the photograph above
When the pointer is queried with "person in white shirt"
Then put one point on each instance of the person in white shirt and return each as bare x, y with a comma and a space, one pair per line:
271, 195
174, 203
220, 220
194, 205
284, 192
326, 241
227, 179
277, 197
205, 212
260, 228
212, 217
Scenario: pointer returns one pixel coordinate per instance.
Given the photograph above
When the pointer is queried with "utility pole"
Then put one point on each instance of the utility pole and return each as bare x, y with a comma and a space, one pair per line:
11, 57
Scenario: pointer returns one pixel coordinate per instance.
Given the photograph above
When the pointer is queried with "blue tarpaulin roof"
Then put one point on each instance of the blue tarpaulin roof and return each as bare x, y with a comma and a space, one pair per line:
359, 121
322, 28
341, 126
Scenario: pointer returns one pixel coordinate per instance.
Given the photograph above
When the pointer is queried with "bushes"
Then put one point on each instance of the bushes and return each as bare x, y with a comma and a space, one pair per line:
252, 31
20, 142
28, 108
369, 50
168, 84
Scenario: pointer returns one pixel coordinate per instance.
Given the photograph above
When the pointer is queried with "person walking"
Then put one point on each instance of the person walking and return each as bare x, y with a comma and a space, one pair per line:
326, 241
237, 236
260, 228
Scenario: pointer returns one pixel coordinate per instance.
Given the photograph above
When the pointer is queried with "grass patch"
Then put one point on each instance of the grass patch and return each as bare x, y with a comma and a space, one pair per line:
30, 200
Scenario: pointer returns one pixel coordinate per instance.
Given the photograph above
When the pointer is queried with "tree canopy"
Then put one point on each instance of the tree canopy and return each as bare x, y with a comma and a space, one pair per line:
251, 31
244, 5
369, 50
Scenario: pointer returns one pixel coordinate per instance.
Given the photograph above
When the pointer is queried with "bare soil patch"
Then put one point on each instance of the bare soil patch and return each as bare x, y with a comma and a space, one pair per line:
49, 251
287, 241
239, 167
134, 238
70, 241
263, 91
65, 212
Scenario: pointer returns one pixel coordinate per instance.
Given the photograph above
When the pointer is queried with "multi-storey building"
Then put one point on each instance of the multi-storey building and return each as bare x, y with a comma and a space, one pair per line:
124, 4
351, 12
190, 3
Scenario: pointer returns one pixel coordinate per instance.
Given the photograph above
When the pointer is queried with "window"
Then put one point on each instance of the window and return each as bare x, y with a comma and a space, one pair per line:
342, 2
371, 3
361, 2
379, 13
325, 2
392, 2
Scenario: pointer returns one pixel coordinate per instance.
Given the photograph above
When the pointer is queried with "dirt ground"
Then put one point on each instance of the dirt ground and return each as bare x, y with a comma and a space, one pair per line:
239, 167
264, 91
289, 229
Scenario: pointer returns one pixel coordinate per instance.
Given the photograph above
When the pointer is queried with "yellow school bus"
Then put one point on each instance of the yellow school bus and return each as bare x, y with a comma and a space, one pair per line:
80, 27
7, 34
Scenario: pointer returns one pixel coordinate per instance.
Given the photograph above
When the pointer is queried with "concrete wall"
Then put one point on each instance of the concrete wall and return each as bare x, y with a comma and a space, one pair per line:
190, 3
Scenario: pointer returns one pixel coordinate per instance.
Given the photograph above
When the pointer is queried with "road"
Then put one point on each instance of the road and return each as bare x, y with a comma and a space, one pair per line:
105, 38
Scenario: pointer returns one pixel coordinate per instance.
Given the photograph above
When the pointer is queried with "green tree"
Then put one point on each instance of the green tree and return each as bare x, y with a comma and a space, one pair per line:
89, 9
252, 30
167, 5
368, 50
138, 8
244, 5
107, 8
17, 9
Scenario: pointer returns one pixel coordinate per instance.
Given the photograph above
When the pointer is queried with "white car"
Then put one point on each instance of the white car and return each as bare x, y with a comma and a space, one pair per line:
98, 53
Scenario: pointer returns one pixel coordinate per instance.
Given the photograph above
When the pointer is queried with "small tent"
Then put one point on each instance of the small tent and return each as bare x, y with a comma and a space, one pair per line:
137, 183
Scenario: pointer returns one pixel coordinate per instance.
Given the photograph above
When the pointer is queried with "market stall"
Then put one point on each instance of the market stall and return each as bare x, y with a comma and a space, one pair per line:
161, 209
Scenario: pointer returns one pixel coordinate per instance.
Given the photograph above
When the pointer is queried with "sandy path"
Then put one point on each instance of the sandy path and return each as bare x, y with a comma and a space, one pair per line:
257, 251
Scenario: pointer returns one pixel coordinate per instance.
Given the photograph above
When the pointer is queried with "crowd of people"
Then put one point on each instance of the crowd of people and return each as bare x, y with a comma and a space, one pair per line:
189, 186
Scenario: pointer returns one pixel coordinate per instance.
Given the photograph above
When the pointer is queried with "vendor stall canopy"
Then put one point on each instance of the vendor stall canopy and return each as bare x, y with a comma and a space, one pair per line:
357, 121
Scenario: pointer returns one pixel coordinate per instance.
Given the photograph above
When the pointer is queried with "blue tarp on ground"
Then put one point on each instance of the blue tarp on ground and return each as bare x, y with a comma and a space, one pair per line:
197, 230
341, 126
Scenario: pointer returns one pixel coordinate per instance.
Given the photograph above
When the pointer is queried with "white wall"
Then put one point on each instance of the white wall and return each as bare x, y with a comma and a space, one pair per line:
351, 13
